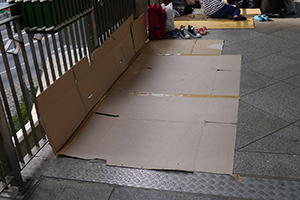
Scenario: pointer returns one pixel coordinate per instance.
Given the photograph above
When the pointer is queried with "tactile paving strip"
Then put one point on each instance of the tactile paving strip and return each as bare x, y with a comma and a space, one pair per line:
197, 182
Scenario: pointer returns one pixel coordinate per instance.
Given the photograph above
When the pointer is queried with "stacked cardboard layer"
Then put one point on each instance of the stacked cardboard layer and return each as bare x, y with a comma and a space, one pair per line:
166, 112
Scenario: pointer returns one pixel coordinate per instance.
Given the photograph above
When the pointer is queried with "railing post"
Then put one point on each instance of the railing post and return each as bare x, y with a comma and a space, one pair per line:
8, 155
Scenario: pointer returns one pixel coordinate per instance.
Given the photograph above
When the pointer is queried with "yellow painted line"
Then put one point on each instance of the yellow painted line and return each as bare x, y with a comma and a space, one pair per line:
151, 94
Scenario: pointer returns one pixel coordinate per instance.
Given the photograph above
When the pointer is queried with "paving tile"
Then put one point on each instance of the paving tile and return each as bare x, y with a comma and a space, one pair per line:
293, 32
60, 189
254, 124
230, 38
124, 193
291, 53
259, 47
280, 100
285, 141
297, 123
267, 164
294, 80
275, 66
252, 81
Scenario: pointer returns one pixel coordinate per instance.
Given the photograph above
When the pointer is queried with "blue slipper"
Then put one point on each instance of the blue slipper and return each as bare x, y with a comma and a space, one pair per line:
258, 18
265, 17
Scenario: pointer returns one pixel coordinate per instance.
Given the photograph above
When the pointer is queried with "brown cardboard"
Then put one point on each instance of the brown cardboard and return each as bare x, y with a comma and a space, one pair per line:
86, 84
177, 131
105, 72
119, 59
139, 34
62, 110
183, 47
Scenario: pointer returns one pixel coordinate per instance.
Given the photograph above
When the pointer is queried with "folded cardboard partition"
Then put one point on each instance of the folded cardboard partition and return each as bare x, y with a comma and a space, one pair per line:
169, 112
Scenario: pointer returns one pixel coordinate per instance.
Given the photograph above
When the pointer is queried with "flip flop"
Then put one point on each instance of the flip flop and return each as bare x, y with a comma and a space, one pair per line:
258, 18
265, 17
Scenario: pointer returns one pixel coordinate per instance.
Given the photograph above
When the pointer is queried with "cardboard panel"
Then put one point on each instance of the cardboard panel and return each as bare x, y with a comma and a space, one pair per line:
101, 51
59, 117
176, 132
123, 31
49, 97
232, 80
171, 74
128, 49
105, 72
179, 109
119, 59
82, 68
217, 147
86, 84
183, 47
139, 33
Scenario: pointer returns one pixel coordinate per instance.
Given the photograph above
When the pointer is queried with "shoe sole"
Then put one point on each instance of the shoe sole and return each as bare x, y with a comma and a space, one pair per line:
184, 37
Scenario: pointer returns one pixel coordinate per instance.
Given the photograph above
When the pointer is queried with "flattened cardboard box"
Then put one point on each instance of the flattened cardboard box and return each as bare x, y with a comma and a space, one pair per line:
184, 128
159, 121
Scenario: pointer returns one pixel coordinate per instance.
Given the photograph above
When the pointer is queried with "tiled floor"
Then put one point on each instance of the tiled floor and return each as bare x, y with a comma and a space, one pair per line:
268, 136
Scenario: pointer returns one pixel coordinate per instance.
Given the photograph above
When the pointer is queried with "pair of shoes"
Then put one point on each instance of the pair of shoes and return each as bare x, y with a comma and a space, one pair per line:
174, 33
240, 17
203, 30
184, 33
188, 33
263, 17
193, 32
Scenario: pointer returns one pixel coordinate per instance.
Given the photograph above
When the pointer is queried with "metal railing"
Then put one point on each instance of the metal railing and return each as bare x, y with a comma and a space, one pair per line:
32, 62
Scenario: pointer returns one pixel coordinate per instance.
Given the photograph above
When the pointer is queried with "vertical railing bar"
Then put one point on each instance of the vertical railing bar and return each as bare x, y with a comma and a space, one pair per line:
111, 16
97, 16
105, 19
10, 120
71, 59
62, 49
12, 86
56, 54
36, 65
73, 42
29, 76
50, 59
83, 35
45, 70
101, 22
79, 46
9, 147
2, 176
119, 11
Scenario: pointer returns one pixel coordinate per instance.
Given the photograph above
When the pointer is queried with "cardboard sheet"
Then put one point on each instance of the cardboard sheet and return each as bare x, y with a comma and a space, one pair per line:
183, 47
176, 129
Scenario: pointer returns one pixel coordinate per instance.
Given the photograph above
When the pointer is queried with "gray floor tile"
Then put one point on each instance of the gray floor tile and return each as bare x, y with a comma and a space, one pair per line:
252, 81
124, 193
267, 164
59, 189
230, 38
254, 124
280, 100
293, 33
291, 53
259, 47
295, 80
285, 141
297, 123
275, 66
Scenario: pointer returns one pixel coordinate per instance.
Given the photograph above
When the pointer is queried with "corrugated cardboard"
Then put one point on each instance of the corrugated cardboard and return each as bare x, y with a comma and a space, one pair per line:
169, 130
139, 34
86, 84
61, 110
183, 47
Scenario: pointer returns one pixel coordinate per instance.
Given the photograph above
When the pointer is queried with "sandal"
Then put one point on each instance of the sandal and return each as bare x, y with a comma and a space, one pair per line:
201, 31
205, 29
